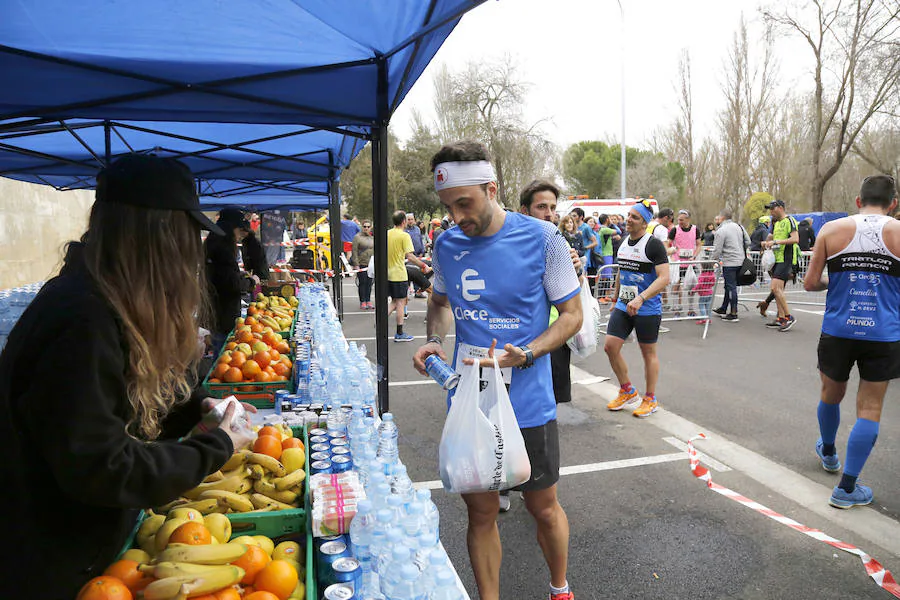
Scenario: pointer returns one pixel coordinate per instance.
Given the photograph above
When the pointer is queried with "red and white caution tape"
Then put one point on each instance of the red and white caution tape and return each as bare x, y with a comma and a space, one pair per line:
875, 570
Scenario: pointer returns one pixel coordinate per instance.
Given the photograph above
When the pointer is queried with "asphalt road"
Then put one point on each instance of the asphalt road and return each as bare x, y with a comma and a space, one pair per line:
645, 529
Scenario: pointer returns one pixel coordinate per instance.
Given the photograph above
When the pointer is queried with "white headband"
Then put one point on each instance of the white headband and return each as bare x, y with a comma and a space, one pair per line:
462, 173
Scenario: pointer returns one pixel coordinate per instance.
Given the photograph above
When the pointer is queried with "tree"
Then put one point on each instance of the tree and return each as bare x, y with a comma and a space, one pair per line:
413, 165
591, 168
755, 207
485, 102
856, 73
356, 181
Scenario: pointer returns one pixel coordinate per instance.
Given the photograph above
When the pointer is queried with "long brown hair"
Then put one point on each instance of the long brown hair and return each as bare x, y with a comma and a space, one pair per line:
147, 263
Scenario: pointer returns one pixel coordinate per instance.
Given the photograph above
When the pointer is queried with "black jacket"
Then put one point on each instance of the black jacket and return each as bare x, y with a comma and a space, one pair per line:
806, 236
758, 236
74, 480
254, 257
226, 283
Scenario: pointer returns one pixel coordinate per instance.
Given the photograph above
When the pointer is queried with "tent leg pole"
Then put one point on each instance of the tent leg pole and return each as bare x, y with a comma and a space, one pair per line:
334, 216
380, 212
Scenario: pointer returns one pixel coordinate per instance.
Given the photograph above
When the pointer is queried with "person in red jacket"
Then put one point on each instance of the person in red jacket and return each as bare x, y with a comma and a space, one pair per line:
96, 383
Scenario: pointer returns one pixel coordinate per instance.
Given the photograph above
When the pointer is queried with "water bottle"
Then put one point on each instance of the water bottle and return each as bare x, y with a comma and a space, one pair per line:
426, 548
361, 534
382, 560
431, 511
387, 434
402, 485
445, 587
393, 571
380, 498
395, 505
384, 521
408, 587
372, 444
414, 523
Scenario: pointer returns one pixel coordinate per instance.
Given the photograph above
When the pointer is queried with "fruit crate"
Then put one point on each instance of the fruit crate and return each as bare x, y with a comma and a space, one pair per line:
129, 542
259, 394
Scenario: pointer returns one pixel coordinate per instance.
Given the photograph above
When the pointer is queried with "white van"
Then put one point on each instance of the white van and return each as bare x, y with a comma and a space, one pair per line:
611, 206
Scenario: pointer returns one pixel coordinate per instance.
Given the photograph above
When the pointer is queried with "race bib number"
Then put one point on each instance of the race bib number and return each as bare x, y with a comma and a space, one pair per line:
627, 292
684, 253
477, 352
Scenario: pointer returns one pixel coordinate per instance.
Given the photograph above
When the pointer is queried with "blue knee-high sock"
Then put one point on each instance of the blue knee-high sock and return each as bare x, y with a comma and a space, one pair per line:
829, 421
859, 446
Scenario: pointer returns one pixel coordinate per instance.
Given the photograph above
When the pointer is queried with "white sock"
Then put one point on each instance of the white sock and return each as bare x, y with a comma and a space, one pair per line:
563, 590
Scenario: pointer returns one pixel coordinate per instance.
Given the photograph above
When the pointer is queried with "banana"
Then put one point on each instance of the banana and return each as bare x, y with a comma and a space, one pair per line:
237, 460
229, 484
242, 471
257, 472
235, 502
217, 476
165, 508
291, 480
261, 501
268, 463
246, 486
262, 510
164, 569
206, 554
193, 585
204, 507
270, 322
146, 534
267, 488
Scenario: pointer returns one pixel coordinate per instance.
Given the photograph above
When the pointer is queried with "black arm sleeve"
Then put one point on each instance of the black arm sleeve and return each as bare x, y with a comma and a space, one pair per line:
656, 252
90, 454
672, 233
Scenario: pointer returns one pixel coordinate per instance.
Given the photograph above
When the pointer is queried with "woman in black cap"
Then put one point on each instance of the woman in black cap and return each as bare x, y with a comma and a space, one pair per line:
226, 281
95, 388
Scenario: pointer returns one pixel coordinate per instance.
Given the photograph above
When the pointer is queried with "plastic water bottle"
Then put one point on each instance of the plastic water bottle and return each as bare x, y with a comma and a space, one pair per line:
372, 443
395, 505
413, 523
384, 521
408, 587
361, 534
387, 435
380, 498
402, 485
393, 570
445, 587
383, 560
431, 511
425, 547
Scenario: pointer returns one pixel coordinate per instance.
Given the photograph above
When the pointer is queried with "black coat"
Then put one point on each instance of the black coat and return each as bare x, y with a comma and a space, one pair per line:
73, 479
254, 257
758, 236
806, 236
226, 282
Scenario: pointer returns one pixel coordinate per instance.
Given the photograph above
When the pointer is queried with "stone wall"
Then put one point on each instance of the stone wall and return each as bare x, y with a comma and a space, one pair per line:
35, 222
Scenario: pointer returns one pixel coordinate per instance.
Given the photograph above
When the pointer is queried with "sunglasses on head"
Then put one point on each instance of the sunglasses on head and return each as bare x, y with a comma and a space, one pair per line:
647, 203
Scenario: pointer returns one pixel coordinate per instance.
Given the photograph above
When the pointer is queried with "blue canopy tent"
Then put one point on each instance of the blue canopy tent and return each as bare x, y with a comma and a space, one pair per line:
339, 66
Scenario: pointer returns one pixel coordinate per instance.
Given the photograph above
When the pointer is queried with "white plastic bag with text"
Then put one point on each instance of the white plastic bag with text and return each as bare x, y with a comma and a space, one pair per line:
482, 448
584, 343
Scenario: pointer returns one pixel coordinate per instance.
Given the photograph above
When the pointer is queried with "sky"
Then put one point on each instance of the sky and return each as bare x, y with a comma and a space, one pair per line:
570, 51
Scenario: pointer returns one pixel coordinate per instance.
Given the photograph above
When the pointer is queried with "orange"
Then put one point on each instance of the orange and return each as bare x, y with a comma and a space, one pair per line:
262, 359
127, 572
278, 577
274, 354
233, 375
225, 358
268, 444
238, 359
280, 378
250, 321
283, 347
261, 596
252, 310
272, 339
214, 380
105, 588
256, 328
230, 345
191, 533
219, 371
228, 593
252, 562
269, 430
291, 442
281, 369
244, 335
250, 369
262, 377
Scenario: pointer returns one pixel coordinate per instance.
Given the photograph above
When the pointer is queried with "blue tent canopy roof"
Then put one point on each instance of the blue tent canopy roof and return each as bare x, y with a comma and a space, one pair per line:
316, 62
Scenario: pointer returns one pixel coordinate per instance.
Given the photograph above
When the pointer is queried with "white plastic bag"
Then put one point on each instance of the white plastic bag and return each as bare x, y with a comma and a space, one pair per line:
584, 343
674, 273
482, 449
768, 260
370, 268
690, 279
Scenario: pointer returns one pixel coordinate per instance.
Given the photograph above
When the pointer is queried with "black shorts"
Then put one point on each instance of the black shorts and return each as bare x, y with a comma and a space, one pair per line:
783, 271
542, 445
398, 290
419, 279
876, 361
646, 327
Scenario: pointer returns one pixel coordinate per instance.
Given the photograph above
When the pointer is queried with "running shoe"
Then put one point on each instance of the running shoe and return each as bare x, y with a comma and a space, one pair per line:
663, 329
370, 306
787, 323
776, 324
720, 311
860, 496
762, 307
832, 463
420, 295
647, 408
504, 501
702, 321
732, 318
625, 399
691, 313
403, 337
563, 596
363, 306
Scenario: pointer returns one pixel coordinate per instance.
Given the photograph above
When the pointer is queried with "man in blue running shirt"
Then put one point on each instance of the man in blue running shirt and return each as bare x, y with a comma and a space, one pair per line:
500, 295
861, 326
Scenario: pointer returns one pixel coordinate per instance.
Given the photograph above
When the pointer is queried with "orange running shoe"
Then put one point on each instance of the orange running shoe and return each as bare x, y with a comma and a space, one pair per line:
648, 407
625, 399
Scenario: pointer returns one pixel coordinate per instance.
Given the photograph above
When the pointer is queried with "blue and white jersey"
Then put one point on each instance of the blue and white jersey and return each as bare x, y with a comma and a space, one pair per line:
637, 271
863, 301
502, 287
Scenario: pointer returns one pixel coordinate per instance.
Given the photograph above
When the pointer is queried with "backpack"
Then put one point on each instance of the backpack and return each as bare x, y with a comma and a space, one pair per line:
747, 273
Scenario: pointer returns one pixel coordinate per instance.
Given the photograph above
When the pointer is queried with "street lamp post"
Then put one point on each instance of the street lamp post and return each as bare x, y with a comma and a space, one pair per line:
622, 64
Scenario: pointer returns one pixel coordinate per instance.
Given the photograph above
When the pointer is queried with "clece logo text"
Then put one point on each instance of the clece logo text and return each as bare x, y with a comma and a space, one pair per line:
470, 284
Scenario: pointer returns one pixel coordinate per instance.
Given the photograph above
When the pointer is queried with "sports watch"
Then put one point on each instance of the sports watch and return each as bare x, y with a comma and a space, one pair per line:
529, 357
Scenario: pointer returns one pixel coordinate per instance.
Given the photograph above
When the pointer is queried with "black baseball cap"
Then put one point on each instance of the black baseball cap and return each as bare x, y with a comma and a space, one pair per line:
154, 182
775, 203
233, 217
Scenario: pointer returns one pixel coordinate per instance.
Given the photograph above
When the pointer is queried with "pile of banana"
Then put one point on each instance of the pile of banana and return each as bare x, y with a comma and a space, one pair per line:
185, 571
248, 482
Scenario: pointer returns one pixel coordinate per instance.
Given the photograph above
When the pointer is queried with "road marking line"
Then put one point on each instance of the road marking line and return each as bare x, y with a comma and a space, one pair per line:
371, 339
589, 468
591, 380
404, 383
703, 457
372, 312
812, 312
427, 381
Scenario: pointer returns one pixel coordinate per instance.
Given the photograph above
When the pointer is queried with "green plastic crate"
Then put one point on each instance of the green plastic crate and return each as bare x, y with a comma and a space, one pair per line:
260, 395
129, 543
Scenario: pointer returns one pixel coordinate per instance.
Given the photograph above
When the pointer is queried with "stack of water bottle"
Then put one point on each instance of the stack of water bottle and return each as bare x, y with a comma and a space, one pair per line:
13, 303
393, 551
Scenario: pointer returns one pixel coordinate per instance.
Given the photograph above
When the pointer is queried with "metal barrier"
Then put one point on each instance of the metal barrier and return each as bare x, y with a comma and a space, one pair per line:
679, 303
793, 290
